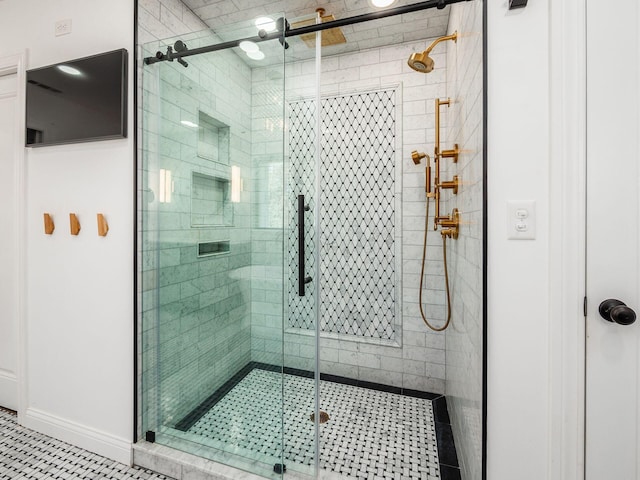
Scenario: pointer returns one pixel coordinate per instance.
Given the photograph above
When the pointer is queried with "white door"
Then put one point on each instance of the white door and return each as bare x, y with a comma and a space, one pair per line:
613, 242
8, 244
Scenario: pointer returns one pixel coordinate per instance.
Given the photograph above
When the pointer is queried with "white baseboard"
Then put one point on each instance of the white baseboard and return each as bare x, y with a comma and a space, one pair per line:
8, 390
95, 441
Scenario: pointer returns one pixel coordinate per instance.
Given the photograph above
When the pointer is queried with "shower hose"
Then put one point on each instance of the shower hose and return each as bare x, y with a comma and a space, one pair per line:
446, 275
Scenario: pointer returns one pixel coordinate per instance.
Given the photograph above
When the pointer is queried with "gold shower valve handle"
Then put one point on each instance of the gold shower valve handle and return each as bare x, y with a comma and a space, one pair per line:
451, 225
449, 233
453, 153
453, 184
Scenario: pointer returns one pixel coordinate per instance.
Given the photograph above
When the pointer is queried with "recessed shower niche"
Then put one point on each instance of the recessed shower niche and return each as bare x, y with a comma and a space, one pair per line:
210, 201
213, 139
211, 194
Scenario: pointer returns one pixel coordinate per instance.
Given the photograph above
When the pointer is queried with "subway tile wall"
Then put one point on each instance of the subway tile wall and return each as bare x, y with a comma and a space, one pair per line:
416, 358
196, 126
464, 337
156, 20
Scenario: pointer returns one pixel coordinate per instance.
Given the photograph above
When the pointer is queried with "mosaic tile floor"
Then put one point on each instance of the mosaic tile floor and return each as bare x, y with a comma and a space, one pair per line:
28, 455
370, 434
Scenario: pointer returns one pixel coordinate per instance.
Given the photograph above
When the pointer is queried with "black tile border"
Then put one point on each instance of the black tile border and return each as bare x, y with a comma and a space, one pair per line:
447, 456
440, 410
197, 413
449, 473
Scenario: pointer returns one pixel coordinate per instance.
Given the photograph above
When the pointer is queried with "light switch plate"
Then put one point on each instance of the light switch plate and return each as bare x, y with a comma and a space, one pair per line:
63, 27
521, 220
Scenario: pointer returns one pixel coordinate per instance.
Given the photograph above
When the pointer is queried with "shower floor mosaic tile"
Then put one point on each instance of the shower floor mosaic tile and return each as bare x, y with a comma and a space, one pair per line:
370, 434
28, 455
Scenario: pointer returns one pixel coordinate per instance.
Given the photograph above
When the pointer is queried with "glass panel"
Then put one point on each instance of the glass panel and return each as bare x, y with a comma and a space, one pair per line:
213, 229
384, 373
301, 209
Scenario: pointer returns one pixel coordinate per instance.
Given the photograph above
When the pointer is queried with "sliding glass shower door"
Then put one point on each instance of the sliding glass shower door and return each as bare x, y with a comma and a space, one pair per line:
218, 213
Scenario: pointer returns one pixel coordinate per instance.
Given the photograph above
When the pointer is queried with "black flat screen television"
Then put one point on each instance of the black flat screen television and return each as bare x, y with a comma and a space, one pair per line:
82, 100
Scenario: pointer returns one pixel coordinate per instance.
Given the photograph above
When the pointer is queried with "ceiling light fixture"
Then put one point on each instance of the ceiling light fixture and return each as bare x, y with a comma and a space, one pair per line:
187, 123
266, 23
256, 55
69, 70
382, 3
248, 46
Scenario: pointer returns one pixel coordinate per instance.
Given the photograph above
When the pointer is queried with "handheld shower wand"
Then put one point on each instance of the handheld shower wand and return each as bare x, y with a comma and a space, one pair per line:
416, 157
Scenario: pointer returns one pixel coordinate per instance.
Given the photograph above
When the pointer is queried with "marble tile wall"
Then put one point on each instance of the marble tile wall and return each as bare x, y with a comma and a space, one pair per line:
194, 310
416, 358
464, 349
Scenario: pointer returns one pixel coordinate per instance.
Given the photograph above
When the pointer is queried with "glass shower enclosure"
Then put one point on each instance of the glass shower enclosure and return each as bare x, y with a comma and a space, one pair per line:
217, 209
281, 222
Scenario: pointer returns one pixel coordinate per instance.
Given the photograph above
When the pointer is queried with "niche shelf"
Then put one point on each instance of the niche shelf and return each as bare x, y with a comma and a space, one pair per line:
210, 201
213, 139
208, 249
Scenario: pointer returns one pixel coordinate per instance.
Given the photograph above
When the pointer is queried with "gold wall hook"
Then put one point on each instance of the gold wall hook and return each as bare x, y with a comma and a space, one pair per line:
103, 226
74, 224
49, 226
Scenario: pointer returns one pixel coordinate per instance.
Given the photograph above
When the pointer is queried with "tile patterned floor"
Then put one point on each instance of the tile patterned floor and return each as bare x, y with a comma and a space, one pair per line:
28, 455
370, 434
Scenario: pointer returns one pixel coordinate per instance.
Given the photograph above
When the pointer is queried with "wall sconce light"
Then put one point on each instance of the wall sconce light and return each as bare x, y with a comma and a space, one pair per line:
236, 184
166, 186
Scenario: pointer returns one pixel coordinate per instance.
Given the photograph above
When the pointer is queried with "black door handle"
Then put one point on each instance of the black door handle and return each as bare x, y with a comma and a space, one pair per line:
615, 311
302, 279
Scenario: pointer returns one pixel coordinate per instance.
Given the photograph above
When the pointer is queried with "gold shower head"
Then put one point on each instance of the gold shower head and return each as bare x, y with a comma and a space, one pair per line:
332, 36
422, 62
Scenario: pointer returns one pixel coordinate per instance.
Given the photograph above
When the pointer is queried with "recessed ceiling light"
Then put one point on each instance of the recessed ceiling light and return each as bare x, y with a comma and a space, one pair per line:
187, 123
69, 70
248, 46
382, 3
266, 23
256, 55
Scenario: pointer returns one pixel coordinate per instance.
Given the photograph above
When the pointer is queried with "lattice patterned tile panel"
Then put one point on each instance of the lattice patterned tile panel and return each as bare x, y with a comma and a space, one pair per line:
302, 148
357, 213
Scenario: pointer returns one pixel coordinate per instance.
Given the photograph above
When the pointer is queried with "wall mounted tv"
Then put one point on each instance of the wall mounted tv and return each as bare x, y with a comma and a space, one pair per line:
81, 100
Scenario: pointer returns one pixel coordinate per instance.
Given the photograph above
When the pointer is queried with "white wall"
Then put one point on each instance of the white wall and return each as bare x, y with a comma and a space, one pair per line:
79, 289
518, 292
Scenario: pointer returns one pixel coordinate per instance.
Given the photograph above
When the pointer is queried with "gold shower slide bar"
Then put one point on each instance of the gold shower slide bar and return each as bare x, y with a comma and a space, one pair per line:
454, 152
448, 222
